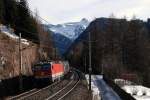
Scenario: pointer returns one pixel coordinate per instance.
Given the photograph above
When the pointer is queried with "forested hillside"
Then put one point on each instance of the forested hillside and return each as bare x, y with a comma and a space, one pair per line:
119, 47
15, 18
17, 15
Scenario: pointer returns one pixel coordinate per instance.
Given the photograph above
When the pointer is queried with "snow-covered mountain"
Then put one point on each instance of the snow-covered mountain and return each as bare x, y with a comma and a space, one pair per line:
65, 34
70, 30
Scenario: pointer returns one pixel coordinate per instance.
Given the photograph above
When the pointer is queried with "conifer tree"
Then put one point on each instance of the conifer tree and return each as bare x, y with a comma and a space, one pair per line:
1, 11
25, 23
10, 10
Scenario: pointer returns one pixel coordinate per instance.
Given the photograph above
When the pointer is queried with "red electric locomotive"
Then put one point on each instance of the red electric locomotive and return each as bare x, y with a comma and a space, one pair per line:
50, 70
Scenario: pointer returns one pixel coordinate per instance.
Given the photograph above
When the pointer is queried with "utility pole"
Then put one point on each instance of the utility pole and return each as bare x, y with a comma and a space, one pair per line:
102, 70
55, 51
85, 65
90, 67
20, 63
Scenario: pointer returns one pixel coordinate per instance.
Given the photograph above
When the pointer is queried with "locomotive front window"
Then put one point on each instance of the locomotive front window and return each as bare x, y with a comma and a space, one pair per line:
41, 67
37, 67
46, 67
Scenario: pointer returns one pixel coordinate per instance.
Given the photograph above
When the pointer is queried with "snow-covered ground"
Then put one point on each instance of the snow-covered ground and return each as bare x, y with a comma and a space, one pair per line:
100, 87
12, 35
142, 97
137, 91
95, 90
122, 82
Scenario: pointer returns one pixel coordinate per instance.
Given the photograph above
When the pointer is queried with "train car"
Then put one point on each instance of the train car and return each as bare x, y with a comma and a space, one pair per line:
50, 70
66, 67
57, 70
42, 71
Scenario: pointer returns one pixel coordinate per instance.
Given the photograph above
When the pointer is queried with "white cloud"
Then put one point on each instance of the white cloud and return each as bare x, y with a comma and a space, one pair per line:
59, 11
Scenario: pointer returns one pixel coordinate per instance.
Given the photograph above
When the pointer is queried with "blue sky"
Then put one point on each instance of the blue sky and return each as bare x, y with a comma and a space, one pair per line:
61, 11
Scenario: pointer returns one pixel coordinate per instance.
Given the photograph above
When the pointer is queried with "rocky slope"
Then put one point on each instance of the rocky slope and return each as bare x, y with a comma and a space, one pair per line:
9, 57
31, 53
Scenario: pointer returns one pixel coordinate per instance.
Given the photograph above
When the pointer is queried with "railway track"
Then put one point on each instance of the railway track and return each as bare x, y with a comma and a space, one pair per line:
66, 90
56, 91
30, 93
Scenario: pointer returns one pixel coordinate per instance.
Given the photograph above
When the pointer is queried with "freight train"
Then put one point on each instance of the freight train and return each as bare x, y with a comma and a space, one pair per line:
52, 71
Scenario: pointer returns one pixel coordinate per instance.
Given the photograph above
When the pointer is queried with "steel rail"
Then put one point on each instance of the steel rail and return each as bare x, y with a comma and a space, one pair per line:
31, 92
69, 90
67, 86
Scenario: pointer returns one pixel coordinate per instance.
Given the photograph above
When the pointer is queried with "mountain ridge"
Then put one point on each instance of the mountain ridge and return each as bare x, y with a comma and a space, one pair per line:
65, 34
71, 29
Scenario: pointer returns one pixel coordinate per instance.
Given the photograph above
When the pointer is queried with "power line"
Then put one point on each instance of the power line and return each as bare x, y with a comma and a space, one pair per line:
43, 41
43, 20
84, 40
35, 14
49, 22
36, 41
42, 45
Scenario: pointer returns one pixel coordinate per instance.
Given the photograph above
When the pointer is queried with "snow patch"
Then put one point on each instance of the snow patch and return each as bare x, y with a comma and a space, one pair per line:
126, 82
142, 97
9, 32
138, 92
95, 90
70, 30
